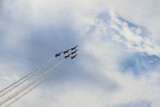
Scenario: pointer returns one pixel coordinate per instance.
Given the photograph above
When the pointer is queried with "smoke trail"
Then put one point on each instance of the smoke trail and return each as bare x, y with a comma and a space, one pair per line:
32, 88
26, 79
30, 84
26, 76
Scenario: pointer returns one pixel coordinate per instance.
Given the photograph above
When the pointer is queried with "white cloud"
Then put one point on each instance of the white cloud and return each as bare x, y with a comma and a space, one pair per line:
130, 38
98, 45
132, 88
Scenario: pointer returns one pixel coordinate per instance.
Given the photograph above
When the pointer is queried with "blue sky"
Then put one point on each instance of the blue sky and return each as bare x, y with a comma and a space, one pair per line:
119, 51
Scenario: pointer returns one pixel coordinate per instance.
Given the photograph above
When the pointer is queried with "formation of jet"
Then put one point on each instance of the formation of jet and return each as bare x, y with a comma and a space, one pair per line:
67, 51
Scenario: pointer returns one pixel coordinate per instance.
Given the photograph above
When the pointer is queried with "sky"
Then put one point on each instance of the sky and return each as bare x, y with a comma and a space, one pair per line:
118, 59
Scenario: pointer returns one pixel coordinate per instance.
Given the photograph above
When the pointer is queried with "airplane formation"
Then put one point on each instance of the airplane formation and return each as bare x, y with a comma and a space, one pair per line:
18, 89
72, 54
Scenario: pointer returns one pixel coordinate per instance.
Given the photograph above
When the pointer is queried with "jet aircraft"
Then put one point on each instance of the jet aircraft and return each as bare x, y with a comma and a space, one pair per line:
74, 56
74, 52
67, 56
74, 48
56, 55
66, 51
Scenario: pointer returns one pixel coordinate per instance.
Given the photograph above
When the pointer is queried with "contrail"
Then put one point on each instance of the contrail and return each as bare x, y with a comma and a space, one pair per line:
30, 84
31, 89
24, 80
26, 76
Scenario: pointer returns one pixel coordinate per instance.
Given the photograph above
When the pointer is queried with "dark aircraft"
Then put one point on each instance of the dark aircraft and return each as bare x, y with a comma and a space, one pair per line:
66, 51
67, 56
74, 52
74, 48
74, 56
58, 54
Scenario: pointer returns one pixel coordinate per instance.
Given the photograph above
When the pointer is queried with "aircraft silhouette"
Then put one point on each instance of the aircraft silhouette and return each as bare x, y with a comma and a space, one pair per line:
56, 55
74, 52
74, 56
66, 51
67, 56
74, 48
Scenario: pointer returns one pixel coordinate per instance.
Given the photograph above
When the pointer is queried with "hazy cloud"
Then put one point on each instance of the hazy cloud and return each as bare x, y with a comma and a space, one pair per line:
116, 41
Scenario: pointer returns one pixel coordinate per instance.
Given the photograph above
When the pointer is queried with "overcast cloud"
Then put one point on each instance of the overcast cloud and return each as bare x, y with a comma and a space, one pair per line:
119, 51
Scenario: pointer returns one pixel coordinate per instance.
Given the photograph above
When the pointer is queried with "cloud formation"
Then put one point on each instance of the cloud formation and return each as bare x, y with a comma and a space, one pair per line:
119, 51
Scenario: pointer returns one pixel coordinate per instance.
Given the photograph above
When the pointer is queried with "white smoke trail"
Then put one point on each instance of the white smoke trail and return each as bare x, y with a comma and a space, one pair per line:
31, 89
26, 76
30, 84
24, 80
